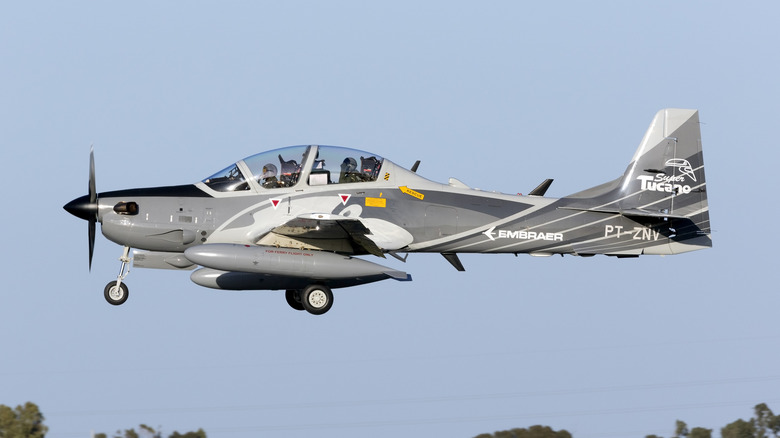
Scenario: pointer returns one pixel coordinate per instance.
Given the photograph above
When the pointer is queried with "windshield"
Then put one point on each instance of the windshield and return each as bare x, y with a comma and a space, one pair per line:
229, 179
272, 169
337, 165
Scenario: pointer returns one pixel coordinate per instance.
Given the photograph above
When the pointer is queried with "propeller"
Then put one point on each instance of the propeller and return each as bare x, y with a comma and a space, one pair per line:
86, 207
92, 202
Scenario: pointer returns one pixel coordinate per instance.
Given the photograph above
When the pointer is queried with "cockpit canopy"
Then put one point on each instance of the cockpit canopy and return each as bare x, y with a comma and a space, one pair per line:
319, 165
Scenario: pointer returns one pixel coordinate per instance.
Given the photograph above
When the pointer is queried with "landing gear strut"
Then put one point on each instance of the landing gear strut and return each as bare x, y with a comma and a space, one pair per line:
116, 292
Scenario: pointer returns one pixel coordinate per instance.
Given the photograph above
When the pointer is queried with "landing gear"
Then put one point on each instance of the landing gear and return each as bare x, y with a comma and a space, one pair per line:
317, 299
294, 299
116, 292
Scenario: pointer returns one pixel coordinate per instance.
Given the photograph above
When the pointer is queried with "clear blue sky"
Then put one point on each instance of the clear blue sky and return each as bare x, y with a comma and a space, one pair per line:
498, 94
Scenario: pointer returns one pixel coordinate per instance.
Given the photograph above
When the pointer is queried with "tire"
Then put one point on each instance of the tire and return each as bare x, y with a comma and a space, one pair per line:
317, 299
294, 299
116, 296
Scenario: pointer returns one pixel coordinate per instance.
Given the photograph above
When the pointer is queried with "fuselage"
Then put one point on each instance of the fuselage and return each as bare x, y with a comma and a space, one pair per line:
404, 212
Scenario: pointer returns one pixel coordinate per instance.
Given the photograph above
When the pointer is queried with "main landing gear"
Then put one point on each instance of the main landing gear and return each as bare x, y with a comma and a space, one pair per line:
315, 299
116, 292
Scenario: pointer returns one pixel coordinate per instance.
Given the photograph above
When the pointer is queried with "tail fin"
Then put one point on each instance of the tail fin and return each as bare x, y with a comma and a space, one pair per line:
666, 174
664, 182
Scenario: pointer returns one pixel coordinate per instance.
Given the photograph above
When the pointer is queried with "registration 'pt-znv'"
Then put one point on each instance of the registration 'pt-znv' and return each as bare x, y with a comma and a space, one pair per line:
297, 218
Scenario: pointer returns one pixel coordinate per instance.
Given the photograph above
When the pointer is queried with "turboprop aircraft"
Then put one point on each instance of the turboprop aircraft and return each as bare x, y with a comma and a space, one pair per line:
297, 218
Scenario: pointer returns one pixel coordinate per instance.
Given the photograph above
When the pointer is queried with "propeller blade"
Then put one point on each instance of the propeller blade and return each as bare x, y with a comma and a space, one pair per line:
92, 201
92, 190
91, 233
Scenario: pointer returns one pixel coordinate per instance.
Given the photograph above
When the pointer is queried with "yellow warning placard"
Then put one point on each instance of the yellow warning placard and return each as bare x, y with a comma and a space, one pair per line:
411, 192
376, 202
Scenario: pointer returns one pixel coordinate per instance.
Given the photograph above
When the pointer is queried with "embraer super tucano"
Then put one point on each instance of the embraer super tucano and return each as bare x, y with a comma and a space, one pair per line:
297, 218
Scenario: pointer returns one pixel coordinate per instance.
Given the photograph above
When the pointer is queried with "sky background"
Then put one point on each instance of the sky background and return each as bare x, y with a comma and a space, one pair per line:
498, 94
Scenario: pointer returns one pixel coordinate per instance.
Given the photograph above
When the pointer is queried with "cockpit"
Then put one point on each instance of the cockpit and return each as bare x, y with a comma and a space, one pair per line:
317, 165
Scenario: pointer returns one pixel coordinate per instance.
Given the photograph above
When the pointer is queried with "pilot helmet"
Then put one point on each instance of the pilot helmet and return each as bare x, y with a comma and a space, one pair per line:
269, 170
349, 164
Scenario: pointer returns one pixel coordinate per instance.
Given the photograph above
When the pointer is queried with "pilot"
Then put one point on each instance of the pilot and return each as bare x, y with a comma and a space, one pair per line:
348, 173
269, 176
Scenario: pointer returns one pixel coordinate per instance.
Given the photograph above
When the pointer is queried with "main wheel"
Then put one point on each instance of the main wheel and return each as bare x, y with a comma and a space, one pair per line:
116, 295
294, 299
317, 299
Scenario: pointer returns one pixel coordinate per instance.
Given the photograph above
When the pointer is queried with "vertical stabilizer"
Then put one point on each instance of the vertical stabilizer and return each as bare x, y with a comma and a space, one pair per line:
664, 185
666, 175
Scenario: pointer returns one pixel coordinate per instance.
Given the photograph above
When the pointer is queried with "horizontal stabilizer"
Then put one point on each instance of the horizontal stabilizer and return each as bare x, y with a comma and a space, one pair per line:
631, 212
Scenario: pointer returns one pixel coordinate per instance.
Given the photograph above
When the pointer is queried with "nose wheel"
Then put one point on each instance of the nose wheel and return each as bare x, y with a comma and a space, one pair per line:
116, 292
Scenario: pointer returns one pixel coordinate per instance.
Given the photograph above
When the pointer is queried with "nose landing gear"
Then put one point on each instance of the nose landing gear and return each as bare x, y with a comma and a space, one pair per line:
116, 292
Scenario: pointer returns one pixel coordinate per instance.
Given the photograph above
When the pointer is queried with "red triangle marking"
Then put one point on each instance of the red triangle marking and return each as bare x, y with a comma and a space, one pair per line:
275, 202
344, 198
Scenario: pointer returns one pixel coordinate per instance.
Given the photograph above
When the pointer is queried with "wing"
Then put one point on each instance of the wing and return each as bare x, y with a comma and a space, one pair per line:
343, 234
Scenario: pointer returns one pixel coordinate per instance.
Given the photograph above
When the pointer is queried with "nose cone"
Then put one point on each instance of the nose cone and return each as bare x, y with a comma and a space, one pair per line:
82, 208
